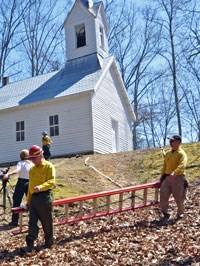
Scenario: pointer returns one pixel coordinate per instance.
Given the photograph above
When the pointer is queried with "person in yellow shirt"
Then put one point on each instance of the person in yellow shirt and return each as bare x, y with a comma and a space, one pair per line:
46, 145
173, 179
40, 197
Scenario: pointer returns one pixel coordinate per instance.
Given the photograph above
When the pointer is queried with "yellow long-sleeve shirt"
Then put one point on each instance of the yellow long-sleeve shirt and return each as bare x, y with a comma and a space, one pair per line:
175, 162
46, 140
42, 176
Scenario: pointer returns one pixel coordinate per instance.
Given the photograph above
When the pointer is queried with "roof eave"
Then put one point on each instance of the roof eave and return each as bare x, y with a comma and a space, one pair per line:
49, 101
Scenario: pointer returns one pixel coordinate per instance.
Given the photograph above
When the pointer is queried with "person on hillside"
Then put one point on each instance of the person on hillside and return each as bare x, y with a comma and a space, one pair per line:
21, 188
40, 198
173, 179
46, 145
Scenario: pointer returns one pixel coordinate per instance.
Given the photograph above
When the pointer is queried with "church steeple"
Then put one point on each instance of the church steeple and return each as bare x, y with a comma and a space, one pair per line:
87, 3
86, 30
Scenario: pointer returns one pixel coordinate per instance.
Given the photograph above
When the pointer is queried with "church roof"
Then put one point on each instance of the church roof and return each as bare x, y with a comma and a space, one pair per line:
78, 75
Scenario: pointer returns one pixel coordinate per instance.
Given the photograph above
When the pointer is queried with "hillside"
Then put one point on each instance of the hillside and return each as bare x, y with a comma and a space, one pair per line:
134, 238
130, 168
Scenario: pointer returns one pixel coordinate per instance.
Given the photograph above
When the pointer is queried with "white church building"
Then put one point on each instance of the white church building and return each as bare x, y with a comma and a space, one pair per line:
84, 107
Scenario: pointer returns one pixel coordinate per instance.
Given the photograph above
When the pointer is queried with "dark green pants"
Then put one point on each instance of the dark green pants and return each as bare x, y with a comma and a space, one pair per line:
47, 152
21, 189
41, 209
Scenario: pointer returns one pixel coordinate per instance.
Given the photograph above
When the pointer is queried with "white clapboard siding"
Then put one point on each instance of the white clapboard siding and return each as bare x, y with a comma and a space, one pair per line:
75, 127
108, 105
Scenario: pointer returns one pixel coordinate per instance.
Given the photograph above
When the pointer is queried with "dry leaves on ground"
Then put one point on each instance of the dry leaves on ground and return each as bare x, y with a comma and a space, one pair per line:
134, 238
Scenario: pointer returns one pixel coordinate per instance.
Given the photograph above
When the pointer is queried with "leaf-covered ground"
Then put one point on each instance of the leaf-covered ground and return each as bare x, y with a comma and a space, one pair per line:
134, 238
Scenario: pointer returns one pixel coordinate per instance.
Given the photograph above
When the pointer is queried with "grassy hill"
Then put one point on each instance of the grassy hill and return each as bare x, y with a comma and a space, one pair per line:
129, 168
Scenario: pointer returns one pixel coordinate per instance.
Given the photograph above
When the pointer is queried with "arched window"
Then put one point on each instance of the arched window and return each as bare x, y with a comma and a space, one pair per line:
80, 36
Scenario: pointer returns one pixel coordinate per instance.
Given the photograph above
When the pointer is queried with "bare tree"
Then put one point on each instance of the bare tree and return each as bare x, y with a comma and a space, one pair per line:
11, 13
135, 45
193, 47
161, 112
150, 48
190, 79
192, 100
44, 37
172, 18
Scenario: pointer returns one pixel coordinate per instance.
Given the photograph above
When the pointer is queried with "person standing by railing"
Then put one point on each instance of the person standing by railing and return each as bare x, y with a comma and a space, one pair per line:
173, 179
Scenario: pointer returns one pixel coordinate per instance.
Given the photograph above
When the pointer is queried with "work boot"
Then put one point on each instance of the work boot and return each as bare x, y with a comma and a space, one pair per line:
49, 244
165, 217
13, 224
27, 249
30, 245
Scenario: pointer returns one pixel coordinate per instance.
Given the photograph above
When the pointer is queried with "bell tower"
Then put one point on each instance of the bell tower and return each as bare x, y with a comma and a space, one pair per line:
87, 3
86, 30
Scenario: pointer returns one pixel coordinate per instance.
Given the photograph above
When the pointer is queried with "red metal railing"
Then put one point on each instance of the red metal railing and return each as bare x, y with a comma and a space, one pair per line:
115, 201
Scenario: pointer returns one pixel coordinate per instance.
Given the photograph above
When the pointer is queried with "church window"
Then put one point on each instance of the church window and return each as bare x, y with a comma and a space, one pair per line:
54, 125
20, 131
80, 35
101, 37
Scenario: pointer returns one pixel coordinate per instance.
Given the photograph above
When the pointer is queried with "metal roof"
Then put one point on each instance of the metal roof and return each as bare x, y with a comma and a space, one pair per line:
77, 76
